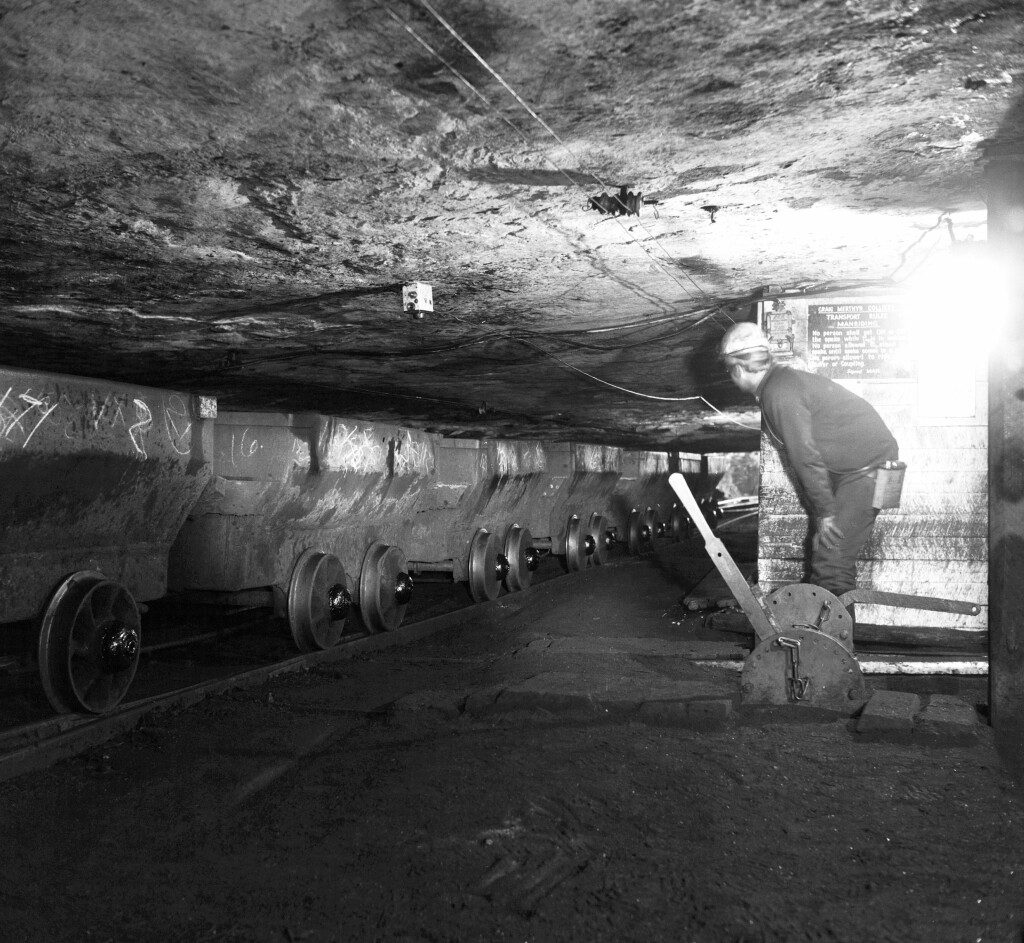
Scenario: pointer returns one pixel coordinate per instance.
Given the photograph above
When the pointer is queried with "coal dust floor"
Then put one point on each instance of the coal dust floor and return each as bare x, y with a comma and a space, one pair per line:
562, 766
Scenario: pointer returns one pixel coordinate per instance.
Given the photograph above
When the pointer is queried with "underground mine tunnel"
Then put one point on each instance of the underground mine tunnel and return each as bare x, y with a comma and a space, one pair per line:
393, 545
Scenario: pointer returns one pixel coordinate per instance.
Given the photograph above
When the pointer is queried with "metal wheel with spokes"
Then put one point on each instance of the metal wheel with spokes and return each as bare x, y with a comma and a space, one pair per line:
89, 643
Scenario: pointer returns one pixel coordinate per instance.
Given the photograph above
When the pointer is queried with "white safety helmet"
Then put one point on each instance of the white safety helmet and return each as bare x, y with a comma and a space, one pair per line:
742, 338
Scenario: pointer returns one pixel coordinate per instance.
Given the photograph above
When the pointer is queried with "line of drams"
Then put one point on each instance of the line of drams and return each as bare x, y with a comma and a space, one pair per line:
115, 495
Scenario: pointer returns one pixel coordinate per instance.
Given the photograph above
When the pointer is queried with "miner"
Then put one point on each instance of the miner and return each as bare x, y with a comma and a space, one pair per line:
835, 442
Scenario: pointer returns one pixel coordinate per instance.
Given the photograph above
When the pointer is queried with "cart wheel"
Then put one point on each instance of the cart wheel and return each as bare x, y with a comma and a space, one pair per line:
654, 527
575, 545
522, 557
488, 566
597, 532
89, 644
385, 587
638, 534
318, 601
679, 523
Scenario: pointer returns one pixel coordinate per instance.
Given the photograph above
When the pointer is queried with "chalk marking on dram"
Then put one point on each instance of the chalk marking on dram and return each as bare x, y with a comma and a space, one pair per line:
173, 410
411, 455
118, 413
247, 451
6, 415
354, 450
138, 430
12, 419
42, 419
4, 410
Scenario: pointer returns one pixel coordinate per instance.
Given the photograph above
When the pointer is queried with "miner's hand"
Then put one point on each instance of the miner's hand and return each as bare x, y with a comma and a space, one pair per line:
829, 533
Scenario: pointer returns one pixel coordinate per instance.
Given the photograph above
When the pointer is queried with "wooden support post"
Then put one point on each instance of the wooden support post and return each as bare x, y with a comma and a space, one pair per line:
1005, 183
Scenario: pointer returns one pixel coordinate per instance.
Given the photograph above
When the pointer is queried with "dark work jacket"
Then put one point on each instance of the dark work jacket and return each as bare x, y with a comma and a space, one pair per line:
825, 429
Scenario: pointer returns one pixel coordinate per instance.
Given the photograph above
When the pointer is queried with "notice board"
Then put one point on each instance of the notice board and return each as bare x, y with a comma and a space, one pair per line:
859, 340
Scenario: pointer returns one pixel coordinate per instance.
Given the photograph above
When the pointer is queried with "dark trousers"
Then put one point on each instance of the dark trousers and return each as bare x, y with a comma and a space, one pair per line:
836, 570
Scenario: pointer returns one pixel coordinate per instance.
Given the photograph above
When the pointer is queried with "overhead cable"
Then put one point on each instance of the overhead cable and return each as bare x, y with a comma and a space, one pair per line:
519, 339
451, 29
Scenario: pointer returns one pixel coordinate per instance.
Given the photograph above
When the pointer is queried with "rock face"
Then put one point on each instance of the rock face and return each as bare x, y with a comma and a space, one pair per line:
228, 196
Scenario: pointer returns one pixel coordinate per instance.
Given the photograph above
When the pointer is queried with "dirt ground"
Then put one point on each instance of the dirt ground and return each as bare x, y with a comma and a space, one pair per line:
407, 795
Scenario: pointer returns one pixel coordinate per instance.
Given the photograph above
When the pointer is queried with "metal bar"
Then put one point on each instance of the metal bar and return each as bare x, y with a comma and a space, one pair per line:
723, 560
906, 601
880, 664
431, 566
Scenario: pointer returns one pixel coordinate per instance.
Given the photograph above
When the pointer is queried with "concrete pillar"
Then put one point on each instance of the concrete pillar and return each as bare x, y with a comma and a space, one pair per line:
1004, 174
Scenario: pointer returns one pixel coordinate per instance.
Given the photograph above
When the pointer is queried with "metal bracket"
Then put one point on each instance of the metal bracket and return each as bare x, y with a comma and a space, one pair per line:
796, 686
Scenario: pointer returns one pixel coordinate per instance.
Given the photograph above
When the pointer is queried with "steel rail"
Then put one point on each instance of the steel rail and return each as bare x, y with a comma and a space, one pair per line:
35, 746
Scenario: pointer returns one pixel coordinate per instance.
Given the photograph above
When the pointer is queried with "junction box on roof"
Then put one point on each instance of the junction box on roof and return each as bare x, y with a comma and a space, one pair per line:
417, 299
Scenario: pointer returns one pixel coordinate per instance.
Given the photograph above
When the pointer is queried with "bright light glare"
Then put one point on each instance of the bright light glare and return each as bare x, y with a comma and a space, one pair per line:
958, 304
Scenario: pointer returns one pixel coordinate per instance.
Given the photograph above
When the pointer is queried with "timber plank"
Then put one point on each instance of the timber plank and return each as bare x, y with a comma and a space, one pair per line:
923, 578
905, 618
950, 549
944, 482
928, 523
911, 635
919, 459
951, 484
966, 591
912, 436
942, 504
908, 526
936, 572
949, 459
931, 525
942, 438
888, 547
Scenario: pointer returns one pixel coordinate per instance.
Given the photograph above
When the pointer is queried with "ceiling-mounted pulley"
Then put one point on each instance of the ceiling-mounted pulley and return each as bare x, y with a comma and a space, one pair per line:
624, 203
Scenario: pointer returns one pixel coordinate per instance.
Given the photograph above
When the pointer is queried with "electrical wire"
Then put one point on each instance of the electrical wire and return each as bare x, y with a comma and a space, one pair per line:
523, 337
613, 348
519, 339
944, 217
550, 131
533, 114
412, 352
530, 339
564, 338
637, 393
483, 62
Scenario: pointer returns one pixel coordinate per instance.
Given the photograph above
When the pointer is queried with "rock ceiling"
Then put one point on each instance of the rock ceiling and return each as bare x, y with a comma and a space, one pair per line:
227, 196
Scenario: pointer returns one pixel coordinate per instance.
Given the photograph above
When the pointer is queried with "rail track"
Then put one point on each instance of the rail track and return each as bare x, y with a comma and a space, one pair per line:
192, 659
39, 743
